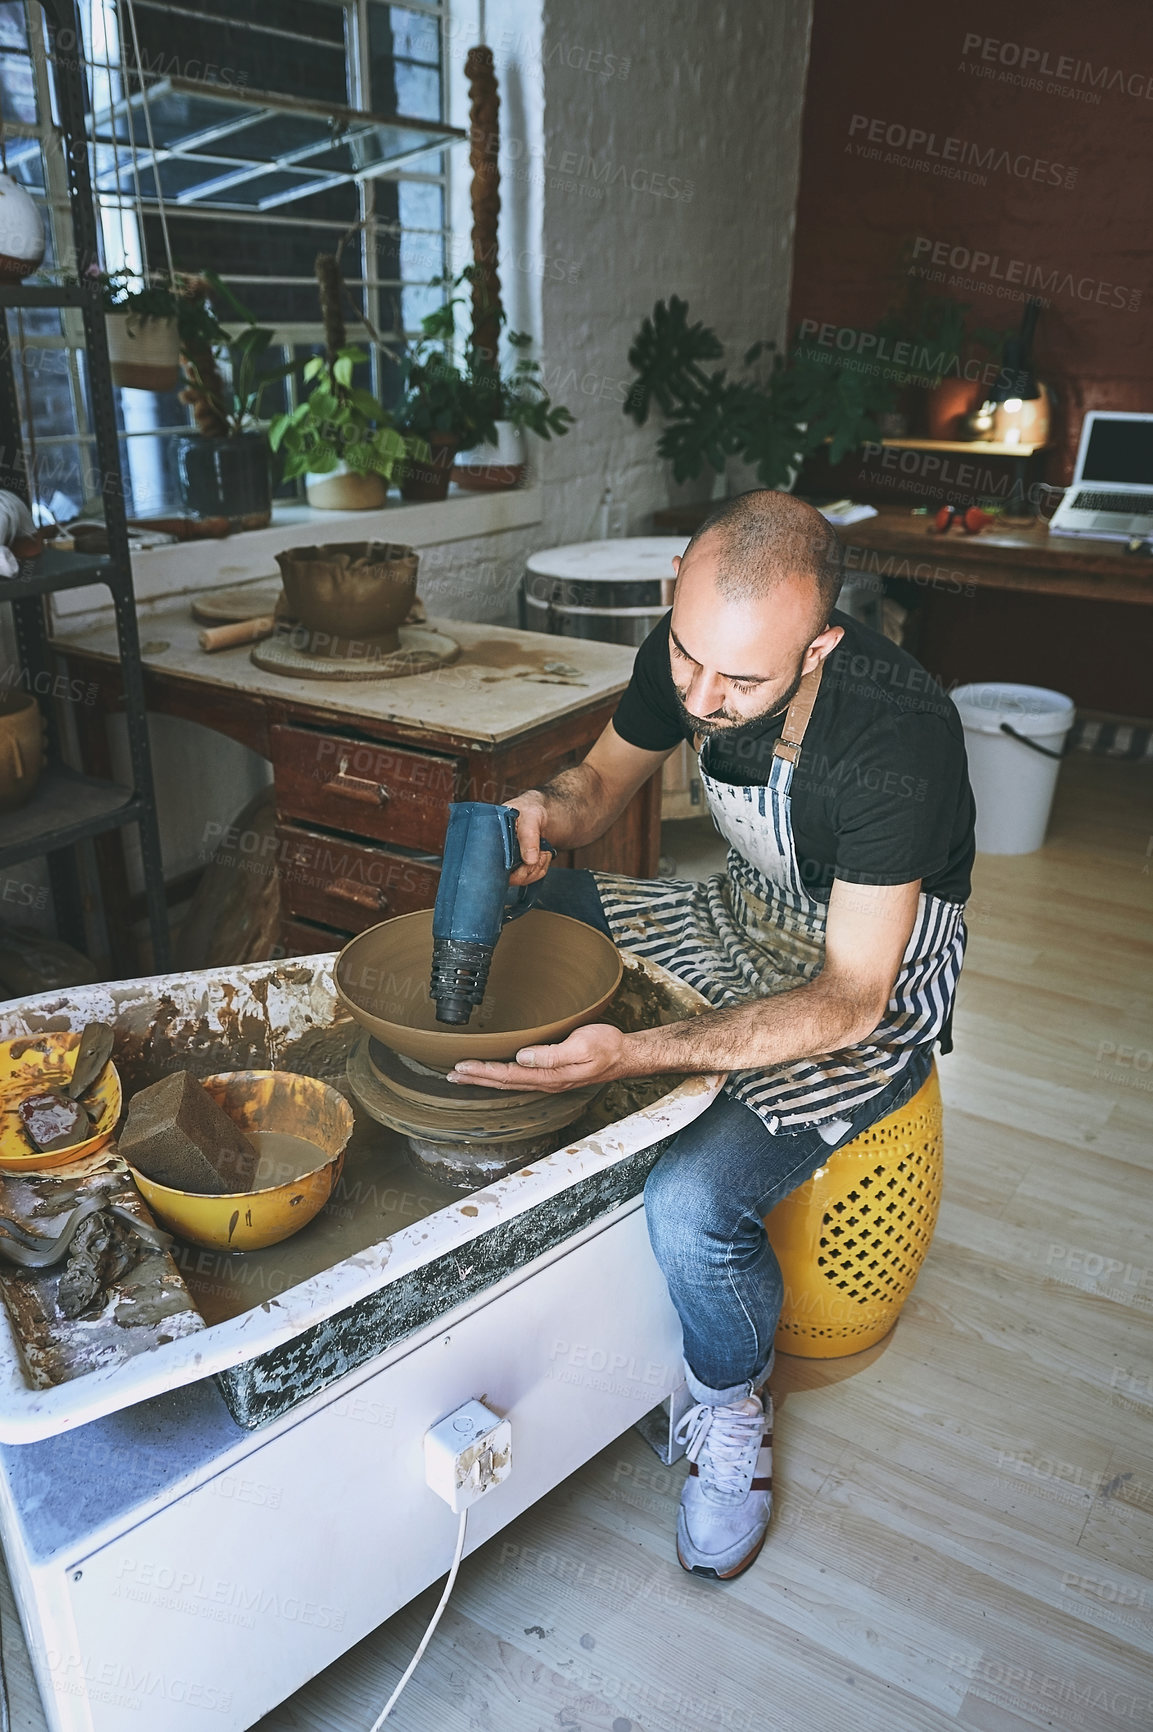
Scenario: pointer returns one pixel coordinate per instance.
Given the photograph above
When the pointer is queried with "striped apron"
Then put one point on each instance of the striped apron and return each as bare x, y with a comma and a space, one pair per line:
754, 930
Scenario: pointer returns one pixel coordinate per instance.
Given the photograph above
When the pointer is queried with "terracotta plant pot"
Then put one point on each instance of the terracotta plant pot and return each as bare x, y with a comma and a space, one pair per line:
343, 490
948, 403
493, 468
351, 597
145, 353
424, 481
21, 748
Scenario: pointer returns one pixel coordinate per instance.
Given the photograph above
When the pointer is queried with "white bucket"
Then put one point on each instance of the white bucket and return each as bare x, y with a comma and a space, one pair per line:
1013, 783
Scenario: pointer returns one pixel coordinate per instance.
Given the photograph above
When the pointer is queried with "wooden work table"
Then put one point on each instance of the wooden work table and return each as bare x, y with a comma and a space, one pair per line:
365, 770
1008, 604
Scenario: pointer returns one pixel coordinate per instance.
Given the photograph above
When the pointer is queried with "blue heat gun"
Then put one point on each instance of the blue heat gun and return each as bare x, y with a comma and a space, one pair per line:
473, 902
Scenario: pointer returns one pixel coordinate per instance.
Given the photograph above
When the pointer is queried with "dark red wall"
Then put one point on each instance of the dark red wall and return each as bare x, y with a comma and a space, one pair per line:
1068, 189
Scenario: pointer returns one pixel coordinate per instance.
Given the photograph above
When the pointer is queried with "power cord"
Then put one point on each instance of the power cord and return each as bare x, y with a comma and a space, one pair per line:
428, 1634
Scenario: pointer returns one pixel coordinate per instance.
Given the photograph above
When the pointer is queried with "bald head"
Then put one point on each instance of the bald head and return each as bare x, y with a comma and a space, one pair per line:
750, 617
761, 539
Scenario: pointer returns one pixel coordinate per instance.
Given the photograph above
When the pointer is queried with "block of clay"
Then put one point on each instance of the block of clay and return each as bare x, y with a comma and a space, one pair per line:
177, 1135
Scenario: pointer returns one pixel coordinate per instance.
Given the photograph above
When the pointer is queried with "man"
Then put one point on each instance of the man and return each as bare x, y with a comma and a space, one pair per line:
835, 768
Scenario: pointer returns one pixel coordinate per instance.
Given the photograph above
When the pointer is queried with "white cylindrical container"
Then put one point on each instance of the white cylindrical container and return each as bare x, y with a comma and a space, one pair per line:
1014, 736
614, 591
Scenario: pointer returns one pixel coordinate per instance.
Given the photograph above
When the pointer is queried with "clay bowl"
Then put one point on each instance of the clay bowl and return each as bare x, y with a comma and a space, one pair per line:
262, 1100
21, 748
549, 975
349, 593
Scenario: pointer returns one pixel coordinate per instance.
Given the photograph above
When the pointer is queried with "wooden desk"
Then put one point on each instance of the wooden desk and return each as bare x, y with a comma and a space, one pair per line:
1008, 604
365, 770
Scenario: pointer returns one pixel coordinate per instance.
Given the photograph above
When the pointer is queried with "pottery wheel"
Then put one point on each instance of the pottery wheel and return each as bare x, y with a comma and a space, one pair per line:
244, 601
421, 650
511, 1117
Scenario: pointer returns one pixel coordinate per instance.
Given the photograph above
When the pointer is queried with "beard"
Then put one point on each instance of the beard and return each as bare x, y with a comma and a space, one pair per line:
722, 721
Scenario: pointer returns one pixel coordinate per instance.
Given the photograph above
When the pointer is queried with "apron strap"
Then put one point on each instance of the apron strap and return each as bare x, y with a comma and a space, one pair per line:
797, 717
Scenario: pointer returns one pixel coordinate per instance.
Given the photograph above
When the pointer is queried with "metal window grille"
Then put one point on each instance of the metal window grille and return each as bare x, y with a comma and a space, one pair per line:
263, 154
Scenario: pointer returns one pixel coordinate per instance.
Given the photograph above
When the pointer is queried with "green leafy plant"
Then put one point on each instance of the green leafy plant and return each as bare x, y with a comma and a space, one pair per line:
710, 417
808, 399
439, 397
339, 423
223, 407
524, 397
467, 399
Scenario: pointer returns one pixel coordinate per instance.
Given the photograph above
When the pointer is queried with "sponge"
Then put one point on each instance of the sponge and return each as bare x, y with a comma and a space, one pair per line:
177, 1136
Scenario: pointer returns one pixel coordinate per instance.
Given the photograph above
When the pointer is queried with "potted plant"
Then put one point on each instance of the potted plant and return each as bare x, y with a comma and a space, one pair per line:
224, 465
438, 407
143, 333
771, 419
341, 439
506, 405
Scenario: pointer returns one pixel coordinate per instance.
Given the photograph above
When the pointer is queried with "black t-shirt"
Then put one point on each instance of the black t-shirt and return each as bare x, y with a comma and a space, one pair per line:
881, 793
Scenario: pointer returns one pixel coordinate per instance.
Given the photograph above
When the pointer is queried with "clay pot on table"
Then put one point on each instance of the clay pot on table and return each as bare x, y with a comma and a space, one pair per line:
21, 748
421, 482
350, 596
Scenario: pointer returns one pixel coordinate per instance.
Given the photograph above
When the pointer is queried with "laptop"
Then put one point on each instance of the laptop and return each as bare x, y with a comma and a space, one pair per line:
1112, 491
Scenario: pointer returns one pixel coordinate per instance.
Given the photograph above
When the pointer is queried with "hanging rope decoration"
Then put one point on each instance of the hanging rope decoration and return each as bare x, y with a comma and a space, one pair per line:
484, 150
160, 210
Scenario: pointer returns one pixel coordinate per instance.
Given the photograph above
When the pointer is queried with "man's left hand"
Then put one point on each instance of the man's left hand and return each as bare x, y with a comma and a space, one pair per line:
591, 1055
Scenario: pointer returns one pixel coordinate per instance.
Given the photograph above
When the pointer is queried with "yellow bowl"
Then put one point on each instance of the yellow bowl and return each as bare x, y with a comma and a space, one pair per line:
261, 1100
34, 1062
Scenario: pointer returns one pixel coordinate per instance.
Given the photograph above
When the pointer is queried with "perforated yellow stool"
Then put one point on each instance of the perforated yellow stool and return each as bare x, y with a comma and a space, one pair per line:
851, 1240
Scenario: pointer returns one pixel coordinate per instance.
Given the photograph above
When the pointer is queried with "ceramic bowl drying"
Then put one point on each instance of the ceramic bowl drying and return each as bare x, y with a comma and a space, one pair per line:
549, 975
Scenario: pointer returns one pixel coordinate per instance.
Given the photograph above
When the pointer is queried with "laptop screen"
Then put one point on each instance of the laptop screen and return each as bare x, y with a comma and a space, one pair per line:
1120, 451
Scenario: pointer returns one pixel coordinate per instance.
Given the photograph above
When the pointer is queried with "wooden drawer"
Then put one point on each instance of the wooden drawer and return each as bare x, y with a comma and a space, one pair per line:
346, 884
387, 792
298, 938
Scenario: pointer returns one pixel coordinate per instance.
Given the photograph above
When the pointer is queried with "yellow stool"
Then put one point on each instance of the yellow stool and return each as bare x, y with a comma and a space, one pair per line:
851, 1240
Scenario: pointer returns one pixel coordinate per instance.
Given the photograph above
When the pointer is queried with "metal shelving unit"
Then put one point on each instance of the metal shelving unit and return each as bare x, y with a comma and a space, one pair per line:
67, 807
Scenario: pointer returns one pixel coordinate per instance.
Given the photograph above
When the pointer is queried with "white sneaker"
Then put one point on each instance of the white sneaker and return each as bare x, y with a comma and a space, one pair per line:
727, 1498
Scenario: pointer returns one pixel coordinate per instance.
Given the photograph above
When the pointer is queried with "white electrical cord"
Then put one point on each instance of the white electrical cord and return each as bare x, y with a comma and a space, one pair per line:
428, 1634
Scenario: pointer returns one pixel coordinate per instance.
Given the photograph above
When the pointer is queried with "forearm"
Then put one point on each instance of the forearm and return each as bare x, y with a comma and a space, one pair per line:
578, 807
822, 1016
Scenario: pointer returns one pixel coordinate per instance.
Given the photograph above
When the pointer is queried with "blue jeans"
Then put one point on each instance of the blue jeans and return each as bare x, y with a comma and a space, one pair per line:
707, 1196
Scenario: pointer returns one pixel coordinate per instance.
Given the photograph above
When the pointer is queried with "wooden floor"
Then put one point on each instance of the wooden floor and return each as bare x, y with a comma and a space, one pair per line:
963, 1534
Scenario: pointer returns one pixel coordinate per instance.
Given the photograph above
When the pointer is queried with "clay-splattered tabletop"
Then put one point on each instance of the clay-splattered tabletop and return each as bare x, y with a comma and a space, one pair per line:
505, 682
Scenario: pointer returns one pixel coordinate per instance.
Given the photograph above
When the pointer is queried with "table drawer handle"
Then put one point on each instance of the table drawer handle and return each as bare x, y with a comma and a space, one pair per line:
357, 787
364, 895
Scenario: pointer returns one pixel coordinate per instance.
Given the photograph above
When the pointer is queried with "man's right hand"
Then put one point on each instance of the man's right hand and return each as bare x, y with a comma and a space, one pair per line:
532, 819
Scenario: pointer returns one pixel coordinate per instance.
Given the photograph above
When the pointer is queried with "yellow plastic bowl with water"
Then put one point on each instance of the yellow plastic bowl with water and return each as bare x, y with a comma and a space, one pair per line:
32, 1063
261, 1100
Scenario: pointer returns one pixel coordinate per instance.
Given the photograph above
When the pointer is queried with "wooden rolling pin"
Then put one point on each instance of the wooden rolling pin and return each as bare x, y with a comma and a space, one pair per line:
222, 637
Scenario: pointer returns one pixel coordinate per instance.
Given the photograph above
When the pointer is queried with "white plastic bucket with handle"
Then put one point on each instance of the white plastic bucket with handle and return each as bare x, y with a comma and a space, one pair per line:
1013, 777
